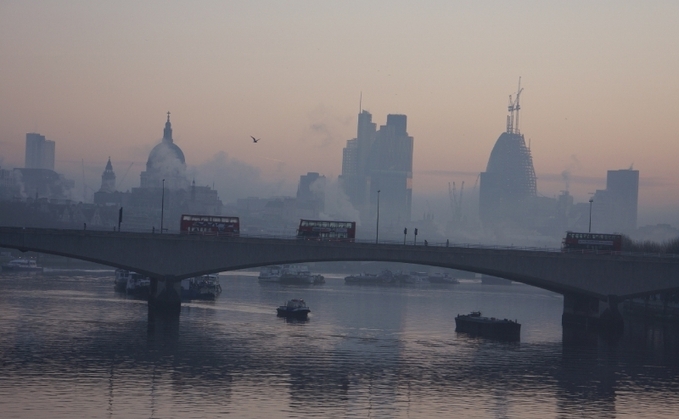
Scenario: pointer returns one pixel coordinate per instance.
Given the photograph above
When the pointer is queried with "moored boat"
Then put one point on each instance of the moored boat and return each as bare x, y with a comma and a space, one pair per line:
296, 275
416, 278
120, 282
289, 275
204, 287
138, 285
386, 277
475, 324
295, 308
442, 278
270, 274
21, 265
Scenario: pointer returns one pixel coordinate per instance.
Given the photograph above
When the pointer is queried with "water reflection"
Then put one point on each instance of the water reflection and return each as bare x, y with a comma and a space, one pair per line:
70, 342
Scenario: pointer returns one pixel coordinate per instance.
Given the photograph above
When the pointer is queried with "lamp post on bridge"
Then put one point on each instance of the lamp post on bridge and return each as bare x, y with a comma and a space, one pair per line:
590, 214
405, 234
377, 230
162, 208
415, 239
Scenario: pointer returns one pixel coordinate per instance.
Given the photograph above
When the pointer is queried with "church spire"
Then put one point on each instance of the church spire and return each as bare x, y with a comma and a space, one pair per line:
167, 132
108, 179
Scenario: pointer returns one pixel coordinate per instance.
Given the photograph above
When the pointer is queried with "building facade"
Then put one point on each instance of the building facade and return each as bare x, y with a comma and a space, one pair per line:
380, 160
508, 189
39, 152
615, 209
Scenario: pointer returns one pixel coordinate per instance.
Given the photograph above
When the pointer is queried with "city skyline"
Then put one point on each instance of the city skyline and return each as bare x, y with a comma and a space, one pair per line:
599, 79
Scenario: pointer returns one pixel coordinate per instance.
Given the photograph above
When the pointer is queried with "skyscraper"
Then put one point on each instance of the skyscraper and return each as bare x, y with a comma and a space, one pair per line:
39, 152
508, 186
380, 160
391, 171
311, 195
355, 175
614, 210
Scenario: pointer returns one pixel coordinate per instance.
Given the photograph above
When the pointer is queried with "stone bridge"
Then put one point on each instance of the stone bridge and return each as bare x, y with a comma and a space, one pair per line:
584, 279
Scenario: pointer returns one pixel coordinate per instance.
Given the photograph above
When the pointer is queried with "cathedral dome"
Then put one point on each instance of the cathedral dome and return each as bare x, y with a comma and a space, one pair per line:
166, 164
165, 154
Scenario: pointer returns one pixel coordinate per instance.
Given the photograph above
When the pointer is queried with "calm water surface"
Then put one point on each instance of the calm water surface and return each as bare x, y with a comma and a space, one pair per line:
71, 347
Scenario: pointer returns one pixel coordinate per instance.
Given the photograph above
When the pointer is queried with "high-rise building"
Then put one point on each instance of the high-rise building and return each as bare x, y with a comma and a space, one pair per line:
311, 195
39, 152
508, 186
614, 210
355, 176
391, 171
380, 160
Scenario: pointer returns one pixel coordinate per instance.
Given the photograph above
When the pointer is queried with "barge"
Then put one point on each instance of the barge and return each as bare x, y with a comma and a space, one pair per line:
490, 327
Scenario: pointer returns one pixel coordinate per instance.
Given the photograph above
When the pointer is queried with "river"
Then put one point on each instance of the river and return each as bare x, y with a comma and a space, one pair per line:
72, 347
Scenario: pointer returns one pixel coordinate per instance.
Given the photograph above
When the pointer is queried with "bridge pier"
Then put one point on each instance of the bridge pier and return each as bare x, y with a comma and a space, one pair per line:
585, 313
165, 295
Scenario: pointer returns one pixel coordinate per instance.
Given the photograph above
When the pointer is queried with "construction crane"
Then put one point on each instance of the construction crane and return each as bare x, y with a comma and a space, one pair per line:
84, 184
128, 169
514, 106
476, 183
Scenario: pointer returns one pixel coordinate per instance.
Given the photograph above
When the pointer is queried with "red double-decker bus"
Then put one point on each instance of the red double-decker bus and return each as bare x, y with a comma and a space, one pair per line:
210, 225
327, 230
592, 241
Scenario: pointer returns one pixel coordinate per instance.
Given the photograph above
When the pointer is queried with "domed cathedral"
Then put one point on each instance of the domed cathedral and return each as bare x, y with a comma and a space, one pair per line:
166, 161
165, 193
507, 193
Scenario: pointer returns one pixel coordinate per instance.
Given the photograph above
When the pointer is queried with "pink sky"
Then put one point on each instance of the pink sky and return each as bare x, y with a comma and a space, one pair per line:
601, 86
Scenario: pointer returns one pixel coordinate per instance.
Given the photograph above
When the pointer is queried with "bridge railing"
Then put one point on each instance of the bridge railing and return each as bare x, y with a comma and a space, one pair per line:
423, 243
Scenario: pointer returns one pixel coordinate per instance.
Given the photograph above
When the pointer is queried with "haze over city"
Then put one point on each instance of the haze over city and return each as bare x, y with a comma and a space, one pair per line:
600, 89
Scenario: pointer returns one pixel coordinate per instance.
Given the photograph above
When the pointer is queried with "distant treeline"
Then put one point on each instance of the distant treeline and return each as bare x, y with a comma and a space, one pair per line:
647, 246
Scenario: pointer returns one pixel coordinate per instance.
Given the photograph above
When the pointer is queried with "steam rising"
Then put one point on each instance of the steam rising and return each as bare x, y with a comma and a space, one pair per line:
235, 179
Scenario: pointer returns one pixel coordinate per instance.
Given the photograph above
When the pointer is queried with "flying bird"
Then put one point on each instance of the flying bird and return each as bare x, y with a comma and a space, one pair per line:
254, 140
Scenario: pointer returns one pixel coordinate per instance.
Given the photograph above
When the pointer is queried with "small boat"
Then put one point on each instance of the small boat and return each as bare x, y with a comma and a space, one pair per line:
295, 308
204, 287
490, 327
21, 265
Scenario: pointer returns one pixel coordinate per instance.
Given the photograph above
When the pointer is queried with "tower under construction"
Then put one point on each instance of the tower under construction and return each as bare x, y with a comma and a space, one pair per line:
508, 186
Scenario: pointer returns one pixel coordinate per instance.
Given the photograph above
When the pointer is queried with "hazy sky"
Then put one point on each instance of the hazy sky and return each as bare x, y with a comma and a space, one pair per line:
601, 84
